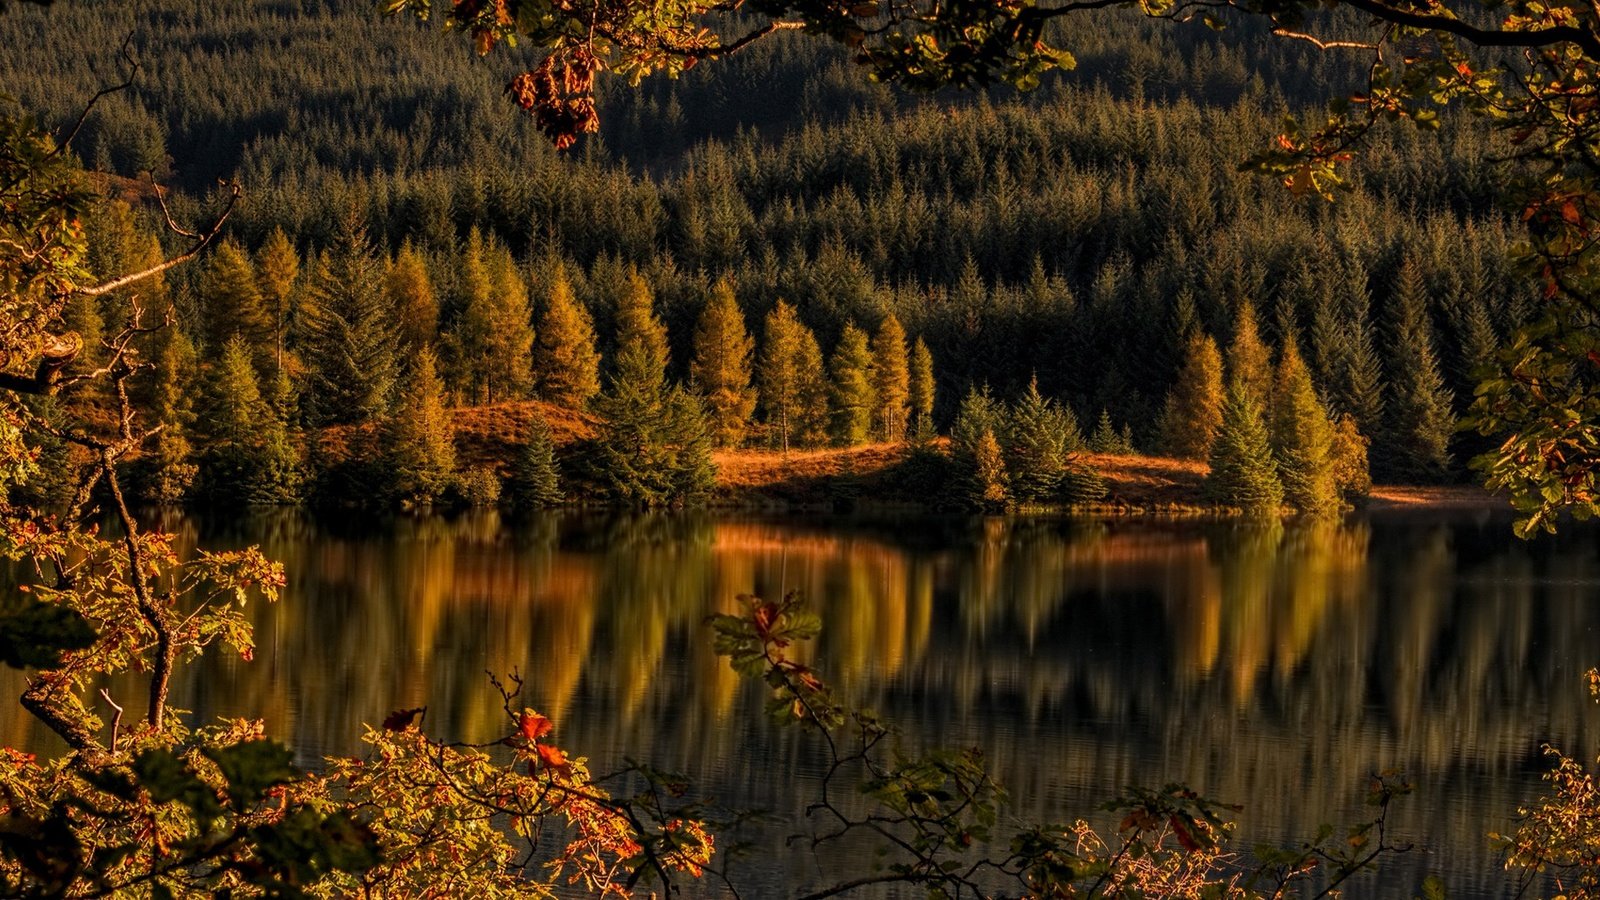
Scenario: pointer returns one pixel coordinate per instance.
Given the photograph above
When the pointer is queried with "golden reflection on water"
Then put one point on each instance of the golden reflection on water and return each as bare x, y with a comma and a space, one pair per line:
1270, 665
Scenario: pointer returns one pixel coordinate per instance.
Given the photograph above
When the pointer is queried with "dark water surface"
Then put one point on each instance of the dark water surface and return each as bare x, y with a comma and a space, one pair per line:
1275, 668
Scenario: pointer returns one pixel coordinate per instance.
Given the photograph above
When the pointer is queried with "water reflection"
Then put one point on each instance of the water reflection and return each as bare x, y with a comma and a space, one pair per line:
1269, 666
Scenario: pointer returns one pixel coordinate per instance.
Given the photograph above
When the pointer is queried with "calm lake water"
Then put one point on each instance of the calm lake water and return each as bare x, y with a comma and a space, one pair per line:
1271, 667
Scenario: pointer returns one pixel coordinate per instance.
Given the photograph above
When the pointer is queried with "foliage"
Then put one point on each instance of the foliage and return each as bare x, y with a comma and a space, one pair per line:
1193, 410
1243, 474
1419, 404
247, 456
793, 398
565, 363
720, 369
535, 480
923, 386
852, 375
419, 441
1302, 438
1039, 441
892, 379
988, 485
348, 336
1351, 474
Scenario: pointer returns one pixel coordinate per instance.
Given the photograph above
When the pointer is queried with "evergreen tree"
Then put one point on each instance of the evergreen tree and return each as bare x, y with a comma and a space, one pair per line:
565, 362
508, 330
419, 442
922, 390
1039, 440
654, 447
1243, 474
891, 379
349, 338
247, 456
1302, 437
536, 478
1354, 377
277, 270
720, 370
233, 305
1417, 438
787, 374
979, 412
1193, 411
854, 400
411, 298
1249, 361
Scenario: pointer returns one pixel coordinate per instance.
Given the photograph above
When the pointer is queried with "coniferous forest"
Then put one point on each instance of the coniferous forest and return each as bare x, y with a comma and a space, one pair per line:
738, 236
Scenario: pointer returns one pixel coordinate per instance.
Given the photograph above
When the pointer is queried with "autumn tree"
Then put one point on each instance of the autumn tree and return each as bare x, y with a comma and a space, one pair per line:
278, 273
922, 390
854, 399
891, 379
419, 441
1249, 360
720, 369
1302, 437
233, 305
1193, 411
409, 290
566, 366
793, 398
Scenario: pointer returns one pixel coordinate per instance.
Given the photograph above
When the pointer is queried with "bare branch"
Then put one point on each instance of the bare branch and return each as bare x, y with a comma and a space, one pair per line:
201, 241
127, 82
1321, 44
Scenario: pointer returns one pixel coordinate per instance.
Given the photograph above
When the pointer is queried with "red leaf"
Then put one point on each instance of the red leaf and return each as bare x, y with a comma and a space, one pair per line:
1181, 830
551, 755
533, 725
401, 719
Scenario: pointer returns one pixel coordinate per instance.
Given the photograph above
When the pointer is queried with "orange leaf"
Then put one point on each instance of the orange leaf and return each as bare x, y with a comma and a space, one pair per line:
533, 725
552, 756
401, 719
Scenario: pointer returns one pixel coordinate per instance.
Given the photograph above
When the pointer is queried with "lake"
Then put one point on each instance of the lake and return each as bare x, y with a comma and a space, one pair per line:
1273, 667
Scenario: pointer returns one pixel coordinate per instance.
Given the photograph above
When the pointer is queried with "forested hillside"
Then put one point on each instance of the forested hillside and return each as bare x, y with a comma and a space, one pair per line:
1081, 235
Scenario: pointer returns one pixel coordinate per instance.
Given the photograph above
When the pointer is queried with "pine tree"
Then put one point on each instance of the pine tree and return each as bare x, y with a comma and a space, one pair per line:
349, 338
854, 400
979, 412
1302, 437
277, 271
1249, 361
247, 456
720, 370
922, 390
419, 442
536, 478
891, 379
565, 362
787, 374
1416, 446
412, 301
1243, 474
1193, 411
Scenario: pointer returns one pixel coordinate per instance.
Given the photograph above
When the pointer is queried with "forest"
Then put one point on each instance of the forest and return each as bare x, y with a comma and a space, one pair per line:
404, 236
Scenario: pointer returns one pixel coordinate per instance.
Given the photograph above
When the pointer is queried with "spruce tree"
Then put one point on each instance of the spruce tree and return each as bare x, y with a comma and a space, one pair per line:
1243, 474
412, 300
979, 412
1302, 437
854, 400
891, 379
1416, 445
535, 477
922, 390
1039, 440
654, 447
566, 366
1249, 361
720, 369
1353, 371
349, 337
419, 441
247, 456
788, 374
278, 271
1193, 411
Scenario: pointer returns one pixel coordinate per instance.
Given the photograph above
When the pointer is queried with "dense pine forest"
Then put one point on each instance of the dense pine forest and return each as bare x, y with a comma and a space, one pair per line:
771, 252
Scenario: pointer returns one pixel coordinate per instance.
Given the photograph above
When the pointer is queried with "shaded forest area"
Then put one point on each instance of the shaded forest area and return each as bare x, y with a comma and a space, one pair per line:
1080, 236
